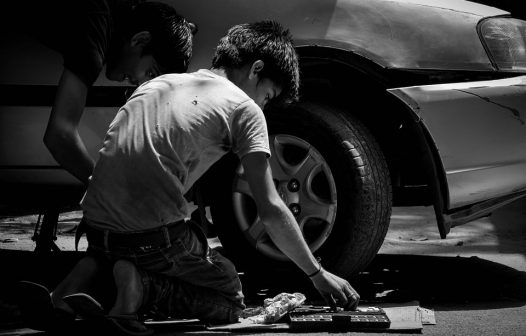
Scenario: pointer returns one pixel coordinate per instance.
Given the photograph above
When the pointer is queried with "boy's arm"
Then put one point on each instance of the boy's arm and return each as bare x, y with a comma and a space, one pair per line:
62, 137
284, 231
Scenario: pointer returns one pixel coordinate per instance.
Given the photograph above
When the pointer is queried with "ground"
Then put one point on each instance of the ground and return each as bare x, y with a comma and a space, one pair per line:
475, 280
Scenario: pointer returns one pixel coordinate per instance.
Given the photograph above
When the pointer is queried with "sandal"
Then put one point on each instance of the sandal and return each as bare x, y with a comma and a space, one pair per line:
85, 305
129, 324
37, 308
89, 308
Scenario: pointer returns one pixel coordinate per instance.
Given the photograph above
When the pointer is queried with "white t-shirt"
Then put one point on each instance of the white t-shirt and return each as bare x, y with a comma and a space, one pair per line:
161, 141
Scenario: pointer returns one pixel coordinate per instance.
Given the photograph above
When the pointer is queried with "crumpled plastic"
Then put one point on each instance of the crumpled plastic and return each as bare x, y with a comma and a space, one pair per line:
275, 308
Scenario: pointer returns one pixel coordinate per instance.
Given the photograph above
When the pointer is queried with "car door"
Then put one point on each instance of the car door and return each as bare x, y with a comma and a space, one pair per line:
29, 74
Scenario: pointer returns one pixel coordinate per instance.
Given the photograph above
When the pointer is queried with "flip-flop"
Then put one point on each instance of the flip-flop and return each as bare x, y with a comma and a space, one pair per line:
89, 308
129, 324
85, 305
37, 308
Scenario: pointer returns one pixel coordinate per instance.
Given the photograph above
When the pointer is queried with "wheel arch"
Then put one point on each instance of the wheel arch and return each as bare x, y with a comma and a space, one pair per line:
334, 76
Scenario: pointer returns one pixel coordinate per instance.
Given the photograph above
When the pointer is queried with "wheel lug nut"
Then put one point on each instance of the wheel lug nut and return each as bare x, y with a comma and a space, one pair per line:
293, 185
295, 208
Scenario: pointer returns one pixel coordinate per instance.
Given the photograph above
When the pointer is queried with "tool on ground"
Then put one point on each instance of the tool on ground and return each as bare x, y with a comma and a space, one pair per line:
318, 318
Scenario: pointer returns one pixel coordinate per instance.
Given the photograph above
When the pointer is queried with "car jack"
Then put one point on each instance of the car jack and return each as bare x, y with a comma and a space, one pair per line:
45, 235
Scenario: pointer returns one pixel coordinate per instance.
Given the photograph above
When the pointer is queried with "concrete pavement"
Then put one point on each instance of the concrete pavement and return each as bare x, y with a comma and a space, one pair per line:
475, 280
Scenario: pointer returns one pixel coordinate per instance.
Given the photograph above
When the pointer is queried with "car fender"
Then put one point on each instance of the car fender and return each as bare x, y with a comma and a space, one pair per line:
479, 131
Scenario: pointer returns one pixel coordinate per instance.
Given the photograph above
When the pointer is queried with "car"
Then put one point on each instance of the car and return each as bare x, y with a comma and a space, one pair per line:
402, 103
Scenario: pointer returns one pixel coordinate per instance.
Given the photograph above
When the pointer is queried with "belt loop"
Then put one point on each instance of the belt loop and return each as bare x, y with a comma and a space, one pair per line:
166, 235
106, 238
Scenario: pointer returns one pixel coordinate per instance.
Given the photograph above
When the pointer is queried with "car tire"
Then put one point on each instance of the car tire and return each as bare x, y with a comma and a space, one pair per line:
346, 191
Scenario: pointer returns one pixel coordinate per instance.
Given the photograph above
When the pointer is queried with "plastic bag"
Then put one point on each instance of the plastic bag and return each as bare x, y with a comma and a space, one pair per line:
275, 308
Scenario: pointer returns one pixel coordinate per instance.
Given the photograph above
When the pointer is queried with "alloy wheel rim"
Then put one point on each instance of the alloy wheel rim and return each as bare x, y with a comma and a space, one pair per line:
304, 182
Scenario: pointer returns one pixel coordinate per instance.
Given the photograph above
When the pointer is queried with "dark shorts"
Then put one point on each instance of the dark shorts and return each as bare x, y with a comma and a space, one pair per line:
184, 279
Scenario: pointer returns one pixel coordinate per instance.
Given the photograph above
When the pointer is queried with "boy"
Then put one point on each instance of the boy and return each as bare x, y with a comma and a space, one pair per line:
162, 140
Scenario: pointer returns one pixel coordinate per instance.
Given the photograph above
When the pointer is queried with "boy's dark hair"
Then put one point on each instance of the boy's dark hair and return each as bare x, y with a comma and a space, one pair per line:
171, 43
267, 41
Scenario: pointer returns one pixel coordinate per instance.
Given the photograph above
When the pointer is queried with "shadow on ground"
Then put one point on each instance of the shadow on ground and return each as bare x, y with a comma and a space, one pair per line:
443, 280
431, 280
402, 278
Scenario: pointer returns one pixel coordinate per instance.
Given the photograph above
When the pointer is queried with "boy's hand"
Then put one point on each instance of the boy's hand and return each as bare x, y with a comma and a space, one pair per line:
335, 290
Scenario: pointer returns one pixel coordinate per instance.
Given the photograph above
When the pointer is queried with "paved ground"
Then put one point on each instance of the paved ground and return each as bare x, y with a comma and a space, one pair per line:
475, 281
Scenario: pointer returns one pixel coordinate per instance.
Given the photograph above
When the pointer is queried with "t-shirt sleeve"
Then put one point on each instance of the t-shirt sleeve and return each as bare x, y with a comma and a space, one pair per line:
88, 40
249, 130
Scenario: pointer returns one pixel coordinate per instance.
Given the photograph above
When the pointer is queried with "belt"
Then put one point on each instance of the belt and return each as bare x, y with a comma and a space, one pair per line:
159, 237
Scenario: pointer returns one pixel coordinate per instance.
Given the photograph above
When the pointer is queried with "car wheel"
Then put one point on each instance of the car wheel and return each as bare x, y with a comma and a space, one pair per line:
332, 175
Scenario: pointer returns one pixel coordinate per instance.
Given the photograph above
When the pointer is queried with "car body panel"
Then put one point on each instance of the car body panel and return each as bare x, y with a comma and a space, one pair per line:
489, 160
30, 162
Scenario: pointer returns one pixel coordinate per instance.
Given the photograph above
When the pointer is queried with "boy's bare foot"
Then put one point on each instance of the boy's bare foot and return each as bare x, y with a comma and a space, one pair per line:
123, 315
129, 288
